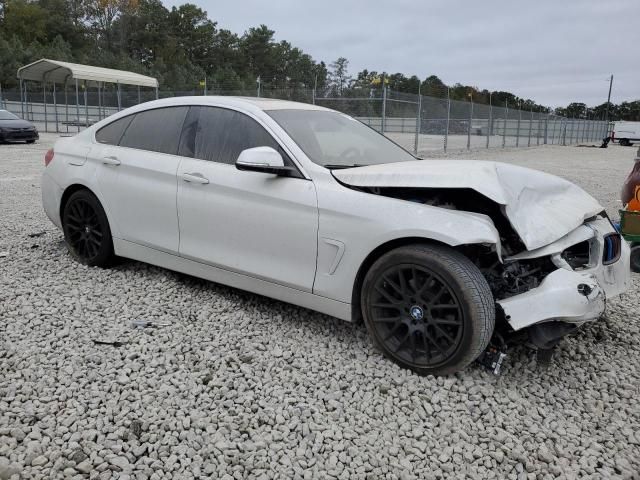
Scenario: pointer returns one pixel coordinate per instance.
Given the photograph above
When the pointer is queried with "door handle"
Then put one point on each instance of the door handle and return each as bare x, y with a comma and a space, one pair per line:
195, 178
111, 160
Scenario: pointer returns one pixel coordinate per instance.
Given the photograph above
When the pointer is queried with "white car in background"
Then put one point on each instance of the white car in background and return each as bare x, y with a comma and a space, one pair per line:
307, 205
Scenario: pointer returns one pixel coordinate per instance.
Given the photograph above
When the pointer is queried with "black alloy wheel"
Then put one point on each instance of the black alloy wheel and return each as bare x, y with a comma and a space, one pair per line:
86, 229
417, 314
428, 308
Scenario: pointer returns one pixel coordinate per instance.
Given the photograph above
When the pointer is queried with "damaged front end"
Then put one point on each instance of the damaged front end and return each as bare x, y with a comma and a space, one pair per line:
576, 276
546, 292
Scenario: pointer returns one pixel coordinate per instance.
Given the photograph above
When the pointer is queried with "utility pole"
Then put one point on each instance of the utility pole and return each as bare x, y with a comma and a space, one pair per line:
609, 99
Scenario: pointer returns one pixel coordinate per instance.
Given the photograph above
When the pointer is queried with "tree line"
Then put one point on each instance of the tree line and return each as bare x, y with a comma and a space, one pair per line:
182, 46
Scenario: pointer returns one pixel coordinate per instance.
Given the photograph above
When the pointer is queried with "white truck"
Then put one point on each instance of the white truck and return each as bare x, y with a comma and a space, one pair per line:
625, 133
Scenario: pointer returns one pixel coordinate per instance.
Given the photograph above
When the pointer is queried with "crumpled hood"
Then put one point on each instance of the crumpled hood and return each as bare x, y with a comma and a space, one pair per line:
541, 207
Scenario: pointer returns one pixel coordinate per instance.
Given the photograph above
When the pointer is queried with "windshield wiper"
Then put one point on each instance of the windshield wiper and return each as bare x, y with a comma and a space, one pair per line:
331, 166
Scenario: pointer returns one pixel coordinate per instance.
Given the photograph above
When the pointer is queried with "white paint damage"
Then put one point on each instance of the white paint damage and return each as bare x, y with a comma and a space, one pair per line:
541, 207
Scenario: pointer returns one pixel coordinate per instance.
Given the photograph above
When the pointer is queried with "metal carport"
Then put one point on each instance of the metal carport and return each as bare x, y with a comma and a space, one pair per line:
58, 72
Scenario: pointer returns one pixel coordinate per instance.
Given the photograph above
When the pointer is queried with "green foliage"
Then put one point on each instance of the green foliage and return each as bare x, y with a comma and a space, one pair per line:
180, 46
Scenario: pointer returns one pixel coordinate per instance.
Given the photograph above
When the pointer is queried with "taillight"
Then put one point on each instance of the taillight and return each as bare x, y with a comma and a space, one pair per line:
613, 134
48, 157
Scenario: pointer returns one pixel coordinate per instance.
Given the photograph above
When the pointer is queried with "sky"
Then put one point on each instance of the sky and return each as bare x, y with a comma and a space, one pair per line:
552, 51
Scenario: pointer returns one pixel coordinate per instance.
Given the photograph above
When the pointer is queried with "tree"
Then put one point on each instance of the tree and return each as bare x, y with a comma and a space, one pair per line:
24, 20
339, 74
102, 15
433, 87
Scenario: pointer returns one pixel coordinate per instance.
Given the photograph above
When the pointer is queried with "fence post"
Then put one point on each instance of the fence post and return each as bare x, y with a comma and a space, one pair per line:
530, 125
489, 121
86, 105
21, 98
504, 129
119, 95
563, 132
384, 106
469, 126
26, 100
418, 124
77, 106
99, 103
546, 129
518, 129
44, 103
139, 102
446, 133
66, 104
55, 106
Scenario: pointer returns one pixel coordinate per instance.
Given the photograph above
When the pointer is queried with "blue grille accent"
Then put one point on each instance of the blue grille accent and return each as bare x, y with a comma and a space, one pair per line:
612, 248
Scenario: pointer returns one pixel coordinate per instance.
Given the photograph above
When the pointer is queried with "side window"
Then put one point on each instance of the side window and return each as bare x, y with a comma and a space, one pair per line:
222, 134
156, 130
112, 133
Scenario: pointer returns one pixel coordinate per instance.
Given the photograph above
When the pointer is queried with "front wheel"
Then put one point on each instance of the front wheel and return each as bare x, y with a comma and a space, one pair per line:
428, 308
86, 230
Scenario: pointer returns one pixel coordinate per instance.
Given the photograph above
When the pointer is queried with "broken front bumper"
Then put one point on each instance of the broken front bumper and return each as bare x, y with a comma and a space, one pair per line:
567, 295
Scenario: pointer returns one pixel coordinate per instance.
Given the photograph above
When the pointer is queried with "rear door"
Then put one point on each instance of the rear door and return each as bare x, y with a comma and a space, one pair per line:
247, 222
137, 176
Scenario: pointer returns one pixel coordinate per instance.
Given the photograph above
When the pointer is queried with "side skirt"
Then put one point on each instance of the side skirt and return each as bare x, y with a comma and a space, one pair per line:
149, 255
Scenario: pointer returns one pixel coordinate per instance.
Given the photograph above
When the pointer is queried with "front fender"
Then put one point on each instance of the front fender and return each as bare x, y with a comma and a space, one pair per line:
353, 224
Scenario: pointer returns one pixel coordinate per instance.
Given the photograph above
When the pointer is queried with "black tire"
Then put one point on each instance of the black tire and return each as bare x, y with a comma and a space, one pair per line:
624, 142
86, 230
31, 141
635, 257
398, 301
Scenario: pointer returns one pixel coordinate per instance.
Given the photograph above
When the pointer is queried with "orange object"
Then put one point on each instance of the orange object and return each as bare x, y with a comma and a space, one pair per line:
634, 203
629, 194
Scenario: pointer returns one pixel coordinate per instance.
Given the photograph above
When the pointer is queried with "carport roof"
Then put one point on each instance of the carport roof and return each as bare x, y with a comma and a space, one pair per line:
59, 72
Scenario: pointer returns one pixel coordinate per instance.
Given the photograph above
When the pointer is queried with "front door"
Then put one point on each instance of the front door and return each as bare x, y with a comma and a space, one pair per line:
247, 222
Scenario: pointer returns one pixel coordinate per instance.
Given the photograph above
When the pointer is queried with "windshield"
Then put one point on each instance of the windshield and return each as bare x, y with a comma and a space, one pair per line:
4, 115
336, 140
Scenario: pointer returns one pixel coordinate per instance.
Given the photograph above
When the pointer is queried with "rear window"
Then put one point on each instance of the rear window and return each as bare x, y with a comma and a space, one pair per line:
112, 133
156, 130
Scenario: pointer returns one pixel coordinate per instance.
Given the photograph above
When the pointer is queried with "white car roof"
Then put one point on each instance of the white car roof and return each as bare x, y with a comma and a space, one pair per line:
250, 103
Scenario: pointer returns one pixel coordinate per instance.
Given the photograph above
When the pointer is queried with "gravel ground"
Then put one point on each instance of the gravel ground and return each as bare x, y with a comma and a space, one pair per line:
238, 386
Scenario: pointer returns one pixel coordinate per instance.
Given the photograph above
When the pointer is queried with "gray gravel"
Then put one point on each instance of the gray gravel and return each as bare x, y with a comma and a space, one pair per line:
239, 386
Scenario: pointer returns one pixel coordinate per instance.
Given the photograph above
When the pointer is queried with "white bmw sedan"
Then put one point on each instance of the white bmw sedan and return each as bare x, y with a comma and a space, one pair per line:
310, 206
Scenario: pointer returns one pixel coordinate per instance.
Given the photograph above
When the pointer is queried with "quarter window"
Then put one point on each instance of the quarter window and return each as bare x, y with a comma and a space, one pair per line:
112, 133
156, 130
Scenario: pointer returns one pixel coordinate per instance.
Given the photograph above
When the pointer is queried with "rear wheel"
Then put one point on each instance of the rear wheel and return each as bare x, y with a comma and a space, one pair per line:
428, 308
31, 141
624, 142
86, 230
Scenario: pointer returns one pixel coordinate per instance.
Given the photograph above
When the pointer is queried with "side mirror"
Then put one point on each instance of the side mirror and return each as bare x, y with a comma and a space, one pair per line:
264, 160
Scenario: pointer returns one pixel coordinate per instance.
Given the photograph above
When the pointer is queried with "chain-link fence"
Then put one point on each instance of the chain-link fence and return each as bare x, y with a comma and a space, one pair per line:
419, 123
